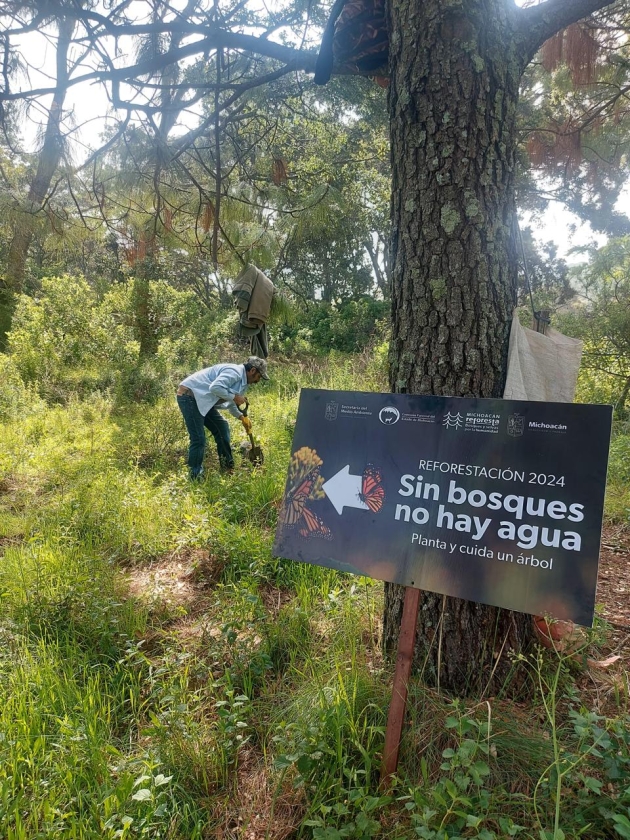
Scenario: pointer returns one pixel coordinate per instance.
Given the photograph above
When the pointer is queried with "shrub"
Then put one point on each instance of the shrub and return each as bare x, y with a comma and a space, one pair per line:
153, 438
144, 382
16, 399
348, 327
618, 483
63, 342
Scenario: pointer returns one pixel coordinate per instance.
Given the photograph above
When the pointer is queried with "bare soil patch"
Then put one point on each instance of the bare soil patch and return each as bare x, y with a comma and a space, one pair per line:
261, 810
613, 580
179, 589
169, 580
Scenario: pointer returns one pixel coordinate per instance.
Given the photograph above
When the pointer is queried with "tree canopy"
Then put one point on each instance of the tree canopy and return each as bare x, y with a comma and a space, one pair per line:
204, 107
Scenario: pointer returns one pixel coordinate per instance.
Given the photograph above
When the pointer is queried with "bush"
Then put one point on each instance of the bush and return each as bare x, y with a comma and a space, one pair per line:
142, 383
619, 465
154, 438
62, 342
16, 400
348, 327
618, 482
190, 336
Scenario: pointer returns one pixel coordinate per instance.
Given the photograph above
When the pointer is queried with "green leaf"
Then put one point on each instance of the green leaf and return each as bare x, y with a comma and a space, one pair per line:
142, 795
508, 827
284, 761
622, 825
593, 784
304, 764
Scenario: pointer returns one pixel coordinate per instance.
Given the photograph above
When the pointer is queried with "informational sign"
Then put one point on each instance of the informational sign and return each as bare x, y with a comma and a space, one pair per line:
496, 501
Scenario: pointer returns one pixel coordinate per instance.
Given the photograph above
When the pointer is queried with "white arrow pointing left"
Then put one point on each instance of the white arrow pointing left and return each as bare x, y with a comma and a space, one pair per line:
343, 490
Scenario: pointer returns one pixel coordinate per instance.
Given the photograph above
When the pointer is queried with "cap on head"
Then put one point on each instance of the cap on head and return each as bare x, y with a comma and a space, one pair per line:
258, 364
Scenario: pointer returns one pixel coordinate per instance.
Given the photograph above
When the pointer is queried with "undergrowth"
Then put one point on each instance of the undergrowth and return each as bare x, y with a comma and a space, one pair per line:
260, 706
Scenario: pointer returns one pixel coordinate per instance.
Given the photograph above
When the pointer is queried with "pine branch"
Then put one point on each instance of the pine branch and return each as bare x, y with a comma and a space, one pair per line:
292, 58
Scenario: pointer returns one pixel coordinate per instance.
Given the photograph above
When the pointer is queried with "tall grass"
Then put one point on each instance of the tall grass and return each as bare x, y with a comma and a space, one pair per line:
260, 704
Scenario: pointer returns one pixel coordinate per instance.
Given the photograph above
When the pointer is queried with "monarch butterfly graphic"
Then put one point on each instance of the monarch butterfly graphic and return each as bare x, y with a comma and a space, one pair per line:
296, 499
304, 484
313, 526
372, 491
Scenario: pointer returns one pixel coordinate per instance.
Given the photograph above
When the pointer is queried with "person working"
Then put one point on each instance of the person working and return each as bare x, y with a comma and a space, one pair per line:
199, 397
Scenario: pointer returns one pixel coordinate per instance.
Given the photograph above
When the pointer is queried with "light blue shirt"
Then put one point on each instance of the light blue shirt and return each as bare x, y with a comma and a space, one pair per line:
216, 387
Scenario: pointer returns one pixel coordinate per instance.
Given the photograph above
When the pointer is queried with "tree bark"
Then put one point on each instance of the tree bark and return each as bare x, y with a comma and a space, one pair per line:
620, 407
455, 69
144, 327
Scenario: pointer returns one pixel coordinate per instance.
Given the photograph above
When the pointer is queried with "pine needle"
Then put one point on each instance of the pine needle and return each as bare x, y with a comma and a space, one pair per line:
282, 310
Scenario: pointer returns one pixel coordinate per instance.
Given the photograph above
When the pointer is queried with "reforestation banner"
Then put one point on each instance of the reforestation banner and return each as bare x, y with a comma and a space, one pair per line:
496, 501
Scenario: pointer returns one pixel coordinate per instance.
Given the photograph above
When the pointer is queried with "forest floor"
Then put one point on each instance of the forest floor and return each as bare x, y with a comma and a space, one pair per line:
605, 678
613, 580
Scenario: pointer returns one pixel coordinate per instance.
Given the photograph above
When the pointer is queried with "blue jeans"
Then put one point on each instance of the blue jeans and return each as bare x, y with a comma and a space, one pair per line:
218, 427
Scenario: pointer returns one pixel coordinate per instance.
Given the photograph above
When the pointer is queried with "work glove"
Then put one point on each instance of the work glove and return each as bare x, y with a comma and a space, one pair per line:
247, 424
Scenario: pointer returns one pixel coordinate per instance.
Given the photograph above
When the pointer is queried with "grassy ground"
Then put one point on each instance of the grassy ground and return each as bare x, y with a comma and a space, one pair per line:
163, 676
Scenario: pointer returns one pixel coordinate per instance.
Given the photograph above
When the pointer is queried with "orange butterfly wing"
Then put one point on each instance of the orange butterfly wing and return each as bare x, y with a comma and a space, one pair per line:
295, 513
313, 526
296, 499
372, 491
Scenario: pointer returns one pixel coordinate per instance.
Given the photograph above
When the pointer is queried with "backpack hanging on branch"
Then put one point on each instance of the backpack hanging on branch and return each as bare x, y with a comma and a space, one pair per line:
253, 294
355, 41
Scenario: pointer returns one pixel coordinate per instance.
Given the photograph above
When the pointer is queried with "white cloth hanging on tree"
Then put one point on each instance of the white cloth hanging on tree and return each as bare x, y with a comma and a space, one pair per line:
541, 367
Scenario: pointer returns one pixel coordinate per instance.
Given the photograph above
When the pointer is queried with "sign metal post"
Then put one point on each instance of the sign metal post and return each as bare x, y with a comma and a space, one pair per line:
398, 704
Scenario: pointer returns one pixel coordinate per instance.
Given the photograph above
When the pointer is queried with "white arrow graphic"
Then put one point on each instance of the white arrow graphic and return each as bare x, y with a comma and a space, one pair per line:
343, 490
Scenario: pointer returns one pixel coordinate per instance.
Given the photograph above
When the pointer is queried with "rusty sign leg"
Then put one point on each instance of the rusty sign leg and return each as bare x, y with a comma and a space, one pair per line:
398, 702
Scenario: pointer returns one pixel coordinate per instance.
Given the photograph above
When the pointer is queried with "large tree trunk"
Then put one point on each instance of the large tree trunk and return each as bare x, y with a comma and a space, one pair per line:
47, 163
455, 68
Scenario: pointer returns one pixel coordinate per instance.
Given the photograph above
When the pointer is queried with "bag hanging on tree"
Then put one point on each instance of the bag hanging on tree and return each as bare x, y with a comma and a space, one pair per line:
541, 366
356, 40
